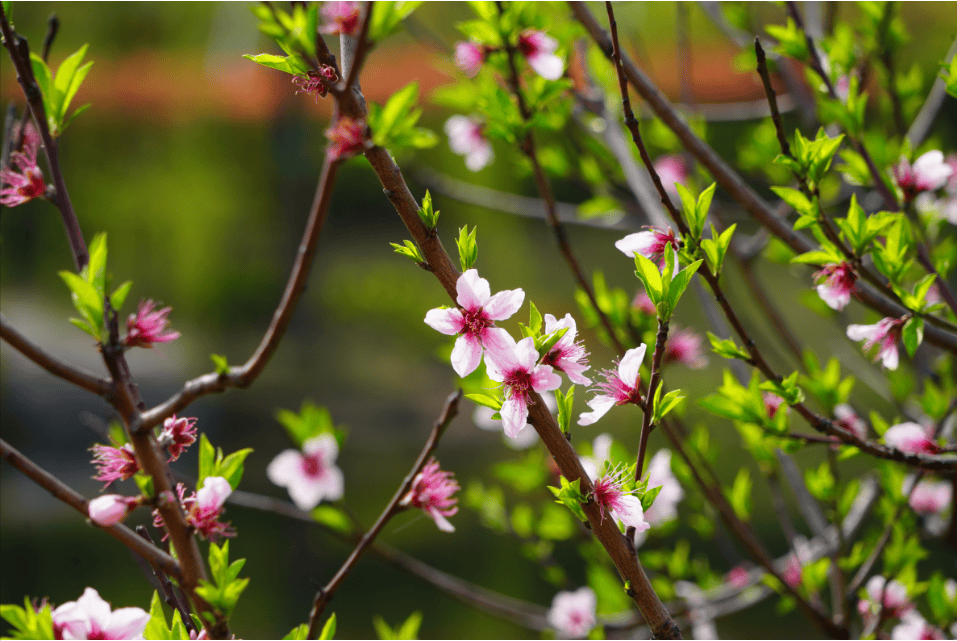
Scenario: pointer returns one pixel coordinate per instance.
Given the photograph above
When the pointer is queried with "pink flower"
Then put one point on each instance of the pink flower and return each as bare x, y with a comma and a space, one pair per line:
619, 388
928, 173
931, 497
792, 572
526, 438
625, 507
516, 365
672, 169
90, 617
910, 438
432, 492
650, 244
466, 138
846, 418
177, 435
913, 626
340, 18
643, 304
567, 355
539, 51
146, 326
572, 614
316, 83
885, 334
311, 475
346, 139
772, 402
684, 346
114, 463
893, 595
474, 323
838, 285
28, 183
110, 509
469, 58
665, 506
203, 511
738, 577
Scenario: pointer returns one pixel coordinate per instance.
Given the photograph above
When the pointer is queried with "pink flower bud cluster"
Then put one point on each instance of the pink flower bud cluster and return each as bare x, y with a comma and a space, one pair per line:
928, 173
28, 183
316, 83
346, 138
431, 492
340, 18
883, 335
572, 614
147, 326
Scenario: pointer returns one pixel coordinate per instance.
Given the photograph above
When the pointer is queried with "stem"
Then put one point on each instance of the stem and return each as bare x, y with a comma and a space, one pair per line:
649, 407
326, 593
153, 555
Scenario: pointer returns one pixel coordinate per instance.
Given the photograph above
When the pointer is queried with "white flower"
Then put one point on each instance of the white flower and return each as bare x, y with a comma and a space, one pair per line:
90, 617
572, 614
310, 475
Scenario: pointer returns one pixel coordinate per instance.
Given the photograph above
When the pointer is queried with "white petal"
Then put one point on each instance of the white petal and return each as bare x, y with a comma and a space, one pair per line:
442, 522
473, 290
127, 623
861, 332
449, 321
286, 468
514, 415
466, 355
600, 406
548, 66
630, 364
479, 156
504, 304
630, 513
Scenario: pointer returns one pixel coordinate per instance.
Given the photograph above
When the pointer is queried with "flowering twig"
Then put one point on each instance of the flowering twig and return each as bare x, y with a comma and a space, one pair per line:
733, 183
71, 373
20, 55
155, 556
326, 593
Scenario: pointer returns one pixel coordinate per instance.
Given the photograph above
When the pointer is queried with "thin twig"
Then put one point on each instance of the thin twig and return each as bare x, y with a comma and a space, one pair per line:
78, 502
71, 373
326, 593
649, 408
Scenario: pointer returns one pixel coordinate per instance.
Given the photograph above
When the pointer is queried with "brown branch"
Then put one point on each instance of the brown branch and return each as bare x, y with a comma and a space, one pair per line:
71, 373
733, 184
153, 555
649, 407
326, 593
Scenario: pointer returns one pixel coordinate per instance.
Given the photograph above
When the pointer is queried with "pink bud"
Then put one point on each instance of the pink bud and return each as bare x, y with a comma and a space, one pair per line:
110, 509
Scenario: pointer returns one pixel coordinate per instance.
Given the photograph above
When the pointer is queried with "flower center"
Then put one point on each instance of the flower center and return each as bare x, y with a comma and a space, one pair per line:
519, 382
312, 466
475, 322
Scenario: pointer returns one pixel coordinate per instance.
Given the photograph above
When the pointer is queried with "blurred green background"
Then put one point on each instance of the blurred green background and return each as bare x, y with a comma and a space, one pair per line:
201, 168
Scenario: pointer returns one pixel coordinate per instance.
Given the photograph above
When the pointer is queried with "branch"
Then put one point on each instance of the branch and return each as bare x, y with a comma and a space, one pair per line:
649, 407
71, 373
153, 555
326, 593
928, 112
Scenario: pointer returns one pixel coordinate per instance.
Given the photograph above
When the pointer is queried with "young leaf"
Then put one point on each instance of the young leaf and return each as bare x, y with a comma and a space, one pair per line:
647, 272
468, 247
410, 250
565, 402
913, 334
328, 630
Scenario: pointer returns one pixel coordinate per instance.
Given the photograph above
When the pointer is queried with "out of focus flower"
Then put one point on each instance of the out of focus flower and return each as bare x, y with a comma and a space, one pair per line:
567, 355
846, 418
838, 285
601, 452
737, 577
466, 138
516, 365
27, 184
620, 387
609, 494
146, 326
651, 244
539, 51
684, 346
643, 304
316, 83
672, 169
346, 139
114, 463
474, 323
572, 614
110, 509
913, 626
340, 18
928, 173
469, 57
772, 403
892, 597
884, 334
177, 435
310, 475
90, 617
792, 572
911, 438
931, 497
665, 506
432, 492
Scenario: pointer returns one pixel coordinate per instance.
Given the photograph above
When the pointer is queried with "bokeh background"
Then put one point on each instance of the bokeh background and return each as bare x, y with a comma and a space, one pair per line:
201, 167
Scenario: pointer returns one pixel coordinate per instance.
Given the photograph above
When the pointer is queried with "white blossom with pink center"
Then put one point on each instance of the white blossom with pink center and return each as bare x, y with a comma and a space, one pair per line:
931, 497
911, 437
311, 476
90, 617
467, 138
340, 17
665, 506
884, 334
620, 387
847, 418
469, 57
609, 494
475, 321
672, 170
913, 626
539, 50
838, 285
928, 173
432, 492
567, 355
572, 614
651, 244
516, 365
892, 595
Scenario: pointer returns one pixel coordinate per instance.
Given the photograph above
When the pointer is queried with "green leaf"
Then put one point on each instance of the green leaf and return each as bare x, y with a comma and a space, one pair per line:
740, 495
329, 629
468, 247
68, 78
301, 632
680, 283
410, 250
727, 348
665, 404
796, 200
387, 17
429, 217
647, 272
27, 623
544, 344
488, 401
913, 334
221, 364
534, 319
333, 518
397, 108
570, 495
648, 497
231, 467
287, 64
118, 297
86, 301
410, 628
565, 403
207, 459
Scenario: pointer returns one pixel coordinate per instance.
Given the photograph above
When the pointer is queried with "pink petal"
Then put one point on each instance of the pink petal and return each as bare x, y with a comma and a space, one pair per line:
127, 623
449, 321
544, 379
862, 332
479, 156
629, 512
473, 290
504, 304
324, 444
525, 354
889, 357
466, 355
834, 297
286, 468
514, 415
442, 522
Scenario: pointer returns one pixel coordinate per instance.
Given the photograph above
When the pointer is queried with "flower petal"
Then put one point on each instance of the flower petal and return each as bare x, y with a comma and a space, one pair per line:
442, 522
466, 355
514, 415
473, 290
286, 468
449, 321
544, 379
548, 66
630, 364
600, 405
504, 304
